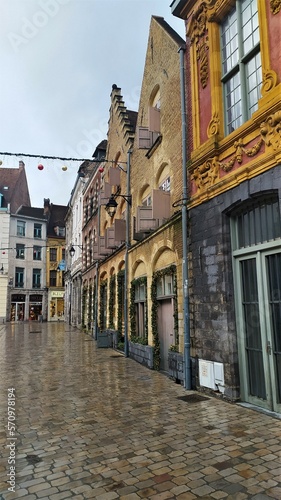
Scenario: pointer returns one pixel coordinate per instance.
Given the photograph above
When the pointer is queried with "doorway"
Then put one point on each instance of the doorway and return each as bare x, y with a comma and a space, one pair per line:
258, 301
166, 330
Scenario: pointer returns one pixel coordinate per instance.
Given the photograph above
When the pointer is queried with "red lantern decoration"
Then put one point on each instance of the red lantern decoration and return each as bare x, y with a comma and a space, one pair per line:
40, 167
101, 170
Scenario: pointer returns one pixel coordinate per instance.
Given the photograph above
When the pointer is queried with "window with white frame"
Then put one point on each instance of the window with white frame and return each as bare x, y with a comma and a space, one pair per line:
165, 286
37, 253
147, 201
36, 278
37, 233
165, 185
241, 63
20, 228
20, 251
19, 277
140, 308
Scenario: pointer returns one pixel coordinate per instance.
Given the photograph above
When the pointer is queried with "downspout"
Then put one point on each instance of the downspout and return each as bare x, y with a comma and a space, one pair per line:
186, 328
128, 206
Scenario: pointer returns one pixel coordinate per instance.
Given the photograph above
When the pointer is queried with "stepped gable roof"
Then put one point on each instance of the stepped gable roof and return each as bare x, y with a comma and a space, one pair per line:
128, 118
173, 34
14, 187
133, 115
33, 212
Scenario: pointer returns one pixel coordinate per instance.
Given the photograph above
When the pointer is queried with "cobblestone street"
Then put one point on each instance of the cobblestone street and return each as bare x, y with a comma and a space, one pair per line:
91, 423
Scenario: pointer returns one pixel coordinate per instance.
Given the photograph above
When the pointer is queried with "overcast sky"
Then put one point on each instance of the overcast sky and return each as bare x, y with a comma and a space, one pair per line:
59, 60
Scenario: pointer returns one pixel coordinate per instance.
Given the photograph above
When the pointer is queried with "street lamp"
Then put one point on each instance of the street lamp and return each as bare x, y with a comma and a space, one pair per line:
112, 204
72, 249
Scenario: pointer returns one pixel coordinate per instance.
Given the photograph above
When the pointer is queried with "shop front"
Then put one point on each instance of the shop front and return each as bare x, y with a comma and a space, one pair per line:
56, 306
18, 307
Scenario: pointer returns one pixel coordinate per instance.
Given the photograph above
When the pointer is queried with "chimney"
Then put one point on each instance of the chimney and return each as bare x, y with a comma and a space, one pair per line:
46, 206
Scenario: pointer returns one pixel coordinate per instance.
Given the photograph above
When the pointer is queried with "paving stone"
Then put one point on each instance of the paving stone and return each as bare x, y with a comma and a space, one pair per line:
117, 430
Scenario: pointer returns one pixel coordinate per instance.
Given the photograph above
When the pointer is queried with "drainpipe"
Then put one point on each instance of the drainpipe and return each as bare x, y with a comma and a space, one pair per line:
128, 206
186, 329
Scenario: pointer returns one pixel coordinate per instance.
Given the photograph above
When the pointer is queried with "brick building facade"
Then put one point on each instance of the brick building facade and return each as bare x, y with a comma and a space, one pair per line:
233, 77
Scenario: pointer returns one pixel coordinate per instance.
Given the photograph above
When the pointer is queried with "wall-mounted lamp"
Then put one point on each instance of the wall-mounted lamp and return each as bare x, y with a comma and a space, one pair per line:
112, 204
72, 249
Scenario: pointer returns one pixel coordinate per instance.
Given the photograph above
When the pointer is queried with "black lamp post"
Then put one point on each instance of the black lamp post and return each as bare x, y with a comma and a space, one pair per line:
111, 206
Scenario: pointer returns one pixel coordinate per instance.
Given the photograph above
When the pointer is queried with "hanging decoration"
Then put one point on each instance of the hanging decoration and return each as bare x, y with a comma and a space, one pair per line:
40, 166
64, 168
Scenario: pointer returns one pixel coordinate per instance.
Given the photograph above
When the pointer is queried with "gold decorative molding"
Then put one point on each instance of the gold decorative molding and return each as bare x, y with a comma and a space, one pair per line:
207, 175
275, 6
213, 127
269, 81
270, 131
200, 38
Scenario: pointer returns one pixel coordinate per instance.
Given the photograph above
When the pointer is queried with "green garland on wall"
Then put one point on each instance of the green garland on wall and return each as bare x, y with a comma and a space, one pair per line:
154, 309
112, 288
84, 297
120, 304
133, 337
90, 306
103, 285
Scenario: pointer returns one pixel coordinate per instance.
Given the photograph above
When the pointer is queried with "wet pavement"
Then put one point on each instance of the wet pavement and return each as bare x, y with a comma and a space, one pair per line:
91, 423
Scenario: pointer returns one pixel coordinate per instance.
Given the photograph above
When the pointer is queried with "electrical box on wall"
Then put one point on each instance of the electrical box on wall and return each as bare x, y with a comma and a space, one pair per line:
211, 375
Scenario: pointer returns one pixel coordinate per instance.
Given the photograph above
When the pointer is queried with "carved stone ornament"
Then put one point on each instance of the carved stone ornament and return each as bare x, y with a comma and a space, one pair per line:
213, 127
270, 131
269, 81
275, 6
207, 175
200, 37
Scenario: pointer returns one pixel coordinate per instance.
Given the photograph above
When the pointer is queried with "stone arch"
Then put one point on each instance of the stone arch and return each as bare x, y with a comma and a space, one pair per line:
121, 266
139, 269
162, 173
155, 96
112, 271
143, 192
164, 256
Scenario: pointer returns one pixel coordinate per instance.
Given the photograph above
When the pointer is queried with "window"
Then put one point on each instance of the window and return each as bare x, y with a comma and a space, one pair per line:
37, 253
146, 202
59, 231
37, 232
258, 222
165, 286
20, 250
19, 277
140, 309
36, 278
20, 228
166, 184
53, 254
53, 278
241, 63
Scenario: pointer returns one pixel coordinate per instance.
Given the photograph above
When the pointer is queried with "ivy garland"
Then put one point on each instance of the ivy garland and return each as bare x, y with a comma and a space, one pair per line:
154, 309
112, 287
133, 337
90, 306
103, 285
120, 304
94, 302
84, 296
